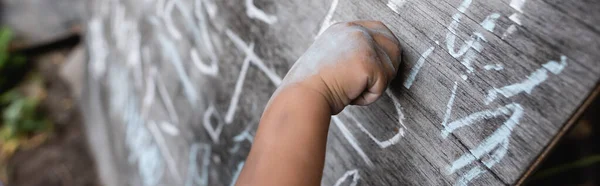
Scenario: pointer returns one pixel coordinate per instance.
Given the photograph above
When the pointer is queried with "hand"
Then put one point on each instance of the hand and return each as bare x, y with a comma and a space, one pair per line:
350, 63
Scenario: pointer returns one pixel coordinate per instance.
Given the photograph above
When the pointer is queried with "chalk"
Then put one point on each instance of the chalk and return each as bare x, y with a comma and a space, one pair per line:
193, 176
490, 22
353, 173
464, 77
98, 45
473, 42
169, 20
467, 61
169, 128
166, 99
236, 175
415, 70
532, 81
470, 175
497, 141
517, 5
450, 104
162, 145
382, 144
240, 44
169, 50
398, 108
149, 93
208, 125
515, 18
510, 30
253, 12
327, 22
496, 67
212, 70
351, 139
237, 91
464, 5
395, 5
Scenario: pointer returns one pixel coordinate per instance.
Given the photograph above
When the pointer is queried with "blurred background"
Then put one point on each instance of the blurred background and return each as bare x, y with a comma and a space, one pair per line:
42, 143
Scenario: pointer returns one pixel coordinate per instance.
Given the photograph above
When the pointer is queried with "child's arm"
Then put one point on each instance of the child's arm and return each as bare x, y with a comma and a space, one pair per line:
351, 63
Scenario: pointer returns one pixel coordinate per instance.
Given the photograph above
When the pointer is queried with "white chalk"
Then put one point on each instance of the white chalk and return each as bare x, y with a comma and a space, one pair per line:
162, 145
353, 173
351, 139
169, 128
450, 104
510, 30
395, 5
327, 22
517, 5
253, 57
382, 144
255, 13
213, 132
490, 22
515, 18
237, 92
236, 175
528, 84
496, 67
415, 70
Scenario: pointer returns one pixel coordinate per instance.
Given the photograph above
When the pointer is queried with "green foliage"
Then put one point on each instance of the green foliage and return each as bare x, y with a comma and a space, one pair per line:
20, 115
8, 61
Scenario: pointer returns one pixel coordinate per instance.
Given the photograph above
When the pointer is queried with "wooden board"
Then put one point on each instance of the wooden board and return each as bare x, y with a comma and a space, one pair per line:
175, 88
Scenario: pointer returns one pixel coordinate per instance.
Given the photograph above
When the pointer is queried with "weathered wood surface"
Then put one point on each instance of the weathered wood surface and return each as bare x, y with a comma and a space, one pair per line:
177, 87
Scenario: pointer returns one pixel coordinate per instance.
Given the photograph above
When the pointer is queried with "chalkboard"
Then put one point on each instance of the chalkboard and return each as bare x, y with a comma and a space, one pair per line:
175, 88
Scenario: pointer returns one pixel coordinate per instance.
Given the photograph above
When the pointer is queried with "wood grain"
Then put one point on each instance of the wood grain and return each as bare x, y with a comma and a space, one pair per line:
484, 86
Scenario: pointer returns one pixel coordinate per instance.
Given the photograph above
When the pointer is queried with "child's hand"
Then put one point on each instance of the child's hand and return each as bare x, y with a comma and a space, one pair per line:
350, 63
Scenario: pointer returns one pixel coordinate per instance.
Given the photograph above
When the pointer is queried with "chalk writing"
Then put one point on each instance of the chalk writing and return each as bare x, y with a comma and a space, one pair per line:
243, 136
169, 50
253, 12
490, 22
193, 175
354, 181
97, 65
237, 173
496, 142
510, 30
530, 83
213, 132
166, 100
162, 145
496, 67
415, 70
351, 139
449, 104
328, 21
382, 144
250, 58
395, 5
169, 128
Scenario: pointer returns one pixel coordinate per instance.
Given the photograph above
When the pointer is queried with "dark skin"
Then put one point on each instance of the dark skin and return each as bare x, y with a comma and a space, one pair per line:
350, 63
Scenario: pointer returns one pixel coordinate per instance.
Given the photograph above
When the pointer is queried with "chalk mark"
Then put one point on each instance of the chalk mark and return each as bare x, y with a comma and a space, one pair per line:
213, 132
327, 22
255, 13
192, 165
415, 70
351, 139
353, 173
532, 81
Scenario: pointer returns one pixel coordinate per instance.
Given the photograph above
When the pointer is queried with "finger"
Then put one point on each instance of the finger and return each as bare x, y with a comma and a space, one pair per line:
374, 89
384, 37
